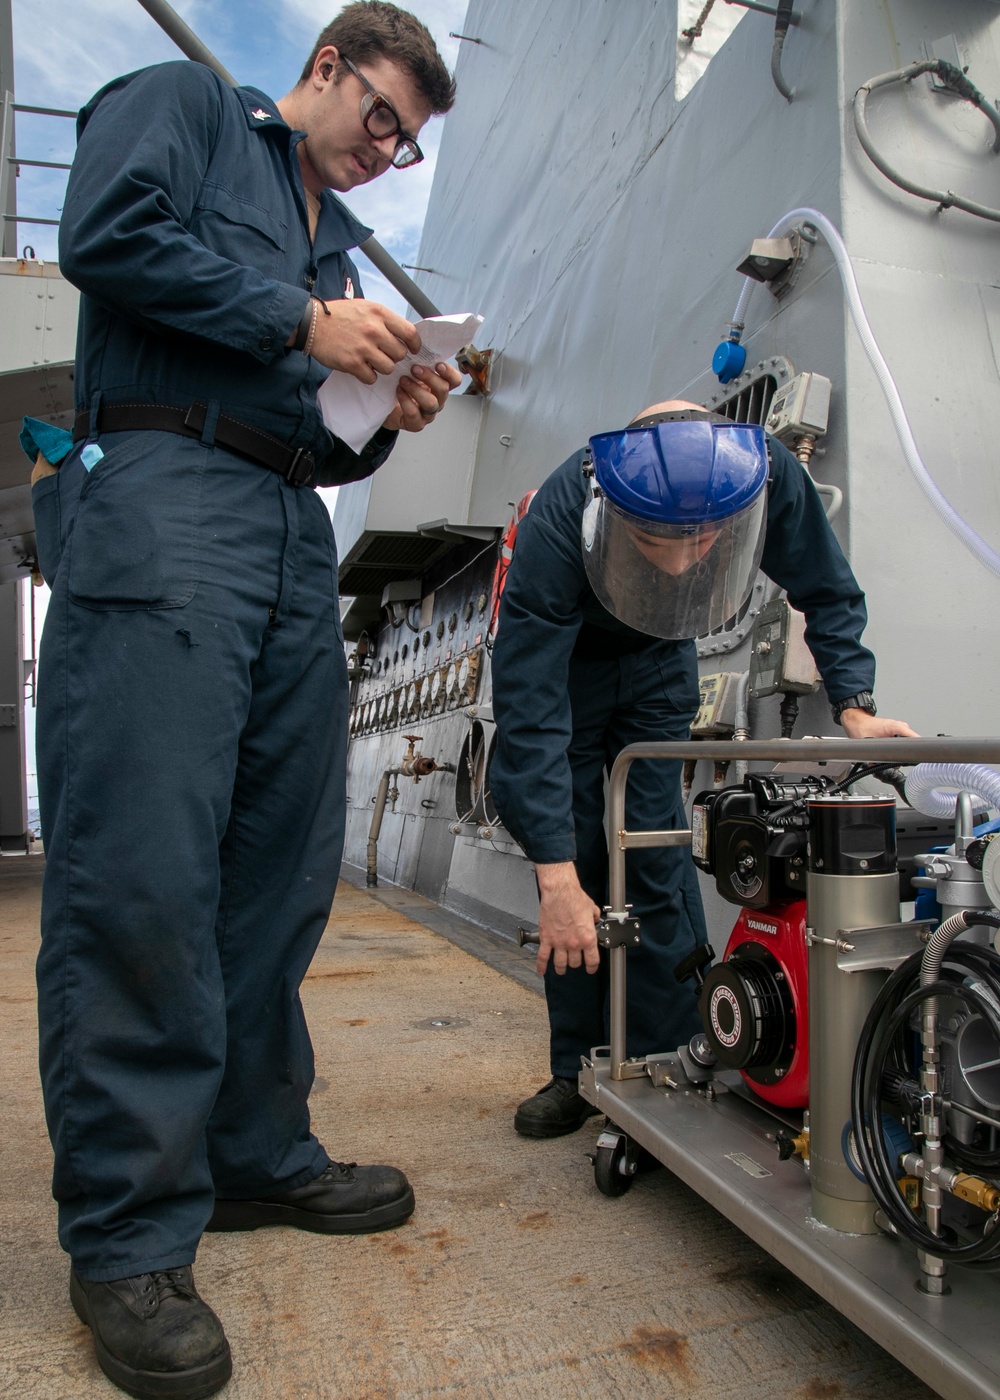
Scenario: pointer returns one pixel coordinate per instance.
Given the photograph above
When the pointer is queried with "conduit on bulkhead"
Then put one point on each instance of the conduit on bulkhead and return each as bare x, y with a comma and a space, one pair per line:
986, 555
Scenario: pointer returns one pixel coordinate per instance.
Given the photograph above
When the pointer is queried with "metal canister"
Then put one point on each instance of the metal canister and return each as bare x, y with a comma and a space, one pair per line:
852, 883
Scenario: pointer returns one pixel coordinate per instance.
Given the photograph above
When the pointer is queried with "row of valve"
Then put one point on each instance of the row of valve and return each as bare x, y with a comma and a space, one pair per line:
445, 688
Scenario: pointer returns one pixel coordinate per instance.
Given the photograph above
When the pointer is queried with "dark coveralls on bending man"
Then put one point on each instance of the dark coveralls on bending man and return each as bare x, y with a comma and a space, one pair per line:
572, 686
192, 700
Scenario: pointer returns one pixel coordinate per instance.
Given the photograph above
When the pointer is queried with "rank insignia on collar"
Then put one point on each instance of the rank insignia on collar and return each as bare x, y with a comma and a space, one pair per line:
261, 115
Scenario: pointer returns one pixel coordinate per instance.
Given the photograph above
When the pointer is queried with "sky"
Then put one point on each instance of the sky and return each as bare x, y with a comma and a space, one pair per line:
263, 43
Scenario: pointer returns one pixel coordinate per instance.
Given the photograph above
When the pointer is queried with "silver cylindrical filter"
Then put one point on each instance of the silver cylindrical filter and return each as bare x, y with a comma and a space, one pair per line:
852, 884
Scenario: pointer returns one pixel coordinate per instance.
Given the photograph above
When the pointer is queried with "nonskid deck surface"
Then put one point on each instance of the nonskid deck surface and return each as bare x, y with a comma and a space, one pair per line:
515, 1277
725, 1149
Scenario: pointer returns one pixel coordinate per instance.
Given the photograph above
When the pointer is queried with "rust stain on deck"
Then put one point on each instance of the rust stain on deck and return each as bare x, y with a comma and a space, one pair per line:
658, 1348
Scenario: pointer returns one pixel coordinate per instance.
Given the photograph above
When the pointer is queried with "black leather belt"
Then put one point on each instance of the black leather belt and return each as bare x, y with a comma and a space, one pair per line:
295, 464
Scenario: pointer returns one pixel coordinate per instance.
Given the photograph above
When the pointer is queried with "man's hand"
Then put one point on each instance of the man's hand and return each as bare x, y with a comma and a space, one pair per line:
42, 467
362, 338
566, 919
421, 395
859, 724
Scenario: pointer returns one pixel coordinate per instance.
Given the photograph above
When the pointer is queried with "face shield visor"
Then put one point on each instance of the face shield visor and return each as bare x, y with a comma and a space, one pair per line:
673, 534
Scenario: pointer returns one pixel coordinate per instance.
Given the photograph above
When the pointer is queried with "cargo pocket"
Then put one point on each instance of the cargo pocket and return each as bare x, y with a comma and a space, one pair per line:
48, 538
678, 675
135, 540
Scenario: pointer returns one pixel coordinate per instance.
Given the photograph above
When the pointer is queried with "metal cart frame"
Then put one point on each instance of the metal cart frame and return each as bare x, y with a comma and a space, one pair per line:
721, 1143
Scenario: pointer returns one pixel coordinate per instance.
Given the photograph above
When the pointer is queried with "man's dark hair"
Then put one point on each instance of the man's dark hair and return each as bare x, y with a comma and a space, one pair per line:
373, 29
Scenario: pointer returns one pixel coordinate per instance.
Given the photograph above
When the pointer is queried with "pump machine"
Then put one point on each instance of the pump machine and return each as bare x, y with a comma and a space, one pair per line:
842, 1104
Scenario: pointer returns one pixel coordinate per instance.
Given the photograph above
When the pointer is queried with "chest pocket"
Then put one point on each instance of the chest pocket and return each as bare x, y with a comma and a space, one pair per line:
238, 229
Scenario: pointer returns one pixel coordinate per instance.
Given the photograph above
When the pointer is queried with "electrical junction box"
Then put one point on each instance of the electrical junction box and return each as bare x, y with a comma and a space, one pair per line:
800, 408
716, 717
780, 661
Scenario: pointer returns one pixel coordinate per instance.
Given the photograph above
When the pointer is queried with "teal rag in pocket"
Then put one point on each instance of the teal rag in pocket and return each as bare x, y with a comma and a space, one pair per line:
52, 442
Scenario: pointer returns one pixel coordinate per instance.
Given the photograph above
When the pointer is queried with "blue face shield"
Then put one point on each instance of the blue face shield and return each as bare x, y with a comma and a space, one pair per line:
673, 534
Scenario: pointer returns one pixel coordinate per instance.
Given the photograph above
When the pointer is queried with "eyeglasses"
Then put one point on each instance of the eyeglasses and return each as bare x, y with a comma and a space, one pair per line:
380, 119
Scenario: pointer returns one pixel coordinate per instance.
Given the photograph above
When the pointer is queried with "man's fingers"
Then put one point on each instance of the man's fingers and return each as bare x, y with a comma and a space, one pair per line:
425, 400
402, 329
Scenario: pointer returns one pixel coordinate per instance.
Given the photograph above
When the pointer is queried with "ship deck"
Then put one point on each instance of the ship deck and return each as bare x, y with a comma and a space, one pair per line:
515, 1277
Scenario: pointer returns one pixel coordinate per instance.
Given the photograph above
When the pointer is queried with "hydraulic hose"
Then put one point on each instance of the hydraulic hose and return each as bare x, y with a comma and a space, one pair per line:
926, 784
945, 934
882, 1051
986, 555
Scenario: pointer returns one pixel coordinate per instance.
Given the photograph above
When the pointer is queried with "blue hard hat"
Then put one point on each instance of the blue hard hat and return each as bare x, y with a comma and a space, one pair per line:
688, 472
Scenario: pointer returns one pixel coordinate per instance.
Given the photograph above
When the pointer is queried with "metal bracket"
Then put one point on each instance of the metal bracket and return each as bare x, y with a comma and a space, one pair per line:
618, 933
882, 947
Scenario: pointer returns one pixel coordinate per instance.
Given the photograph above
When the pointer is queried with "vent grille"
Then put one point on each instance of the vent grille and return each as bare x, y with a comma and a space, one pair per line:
753, 403
376, 560
748, 401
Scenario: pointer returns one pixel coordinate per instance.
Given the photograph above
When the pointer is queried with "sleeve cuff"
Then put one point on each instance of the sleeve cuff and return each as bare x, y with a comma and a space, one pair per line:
268, 339
550, 850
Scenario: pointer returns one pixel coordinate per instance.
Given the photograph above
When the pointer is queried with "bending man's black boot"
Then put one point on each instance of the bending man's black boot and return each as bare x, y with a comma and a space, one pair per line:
553, 1111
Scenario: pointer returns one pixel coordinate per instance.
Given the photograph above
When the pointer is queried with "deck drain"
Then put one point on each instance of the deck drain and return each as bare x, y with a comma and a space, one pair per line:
440, 1023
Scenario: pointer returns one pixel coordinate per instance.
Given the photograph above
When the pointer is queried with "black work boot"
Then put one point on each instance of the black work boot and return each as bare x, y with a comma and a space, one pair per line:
154, 1336
344, 1199
553, 1111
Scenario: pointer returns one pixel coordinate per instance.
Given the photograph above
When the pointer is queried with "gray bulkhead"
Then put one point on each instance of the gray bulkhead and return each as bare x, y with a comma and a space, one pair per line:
596, 221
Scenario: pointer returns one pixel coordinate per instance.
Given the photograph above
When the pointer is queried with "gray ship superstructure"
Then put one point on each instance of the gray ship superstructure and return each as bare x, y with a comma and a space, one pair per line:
597, 220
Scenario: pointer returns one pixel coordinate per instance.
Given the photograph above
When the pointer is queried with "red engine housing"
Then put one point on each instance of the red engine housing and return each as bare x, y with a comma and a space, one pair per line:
755, 1003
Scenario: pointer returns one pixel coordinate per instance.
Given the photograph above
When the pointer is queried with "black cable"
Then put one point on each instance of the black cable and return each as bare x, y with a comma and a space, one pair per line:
883, 1039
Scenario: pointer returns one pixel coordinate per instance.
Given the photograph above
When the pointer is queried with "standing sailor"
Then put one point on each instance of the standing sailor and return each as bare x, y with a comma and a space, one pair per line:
192, 718
619, 565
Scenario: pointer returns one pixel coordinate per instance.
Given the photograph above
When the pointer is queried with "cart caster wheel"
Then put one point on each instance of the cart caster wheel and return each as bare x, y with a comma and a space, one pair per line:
615, 1162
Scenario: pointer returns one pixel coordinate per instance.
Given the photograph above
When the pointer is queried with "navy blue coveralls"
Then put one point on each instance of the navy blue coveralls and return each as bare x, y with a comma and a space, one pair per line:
192, 697
572, 686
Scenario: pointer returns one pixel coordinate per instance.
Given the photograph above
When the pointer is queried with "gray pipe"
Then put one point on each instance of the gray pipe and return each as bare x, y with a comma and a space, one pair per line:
188, 42
185, 38
371, 877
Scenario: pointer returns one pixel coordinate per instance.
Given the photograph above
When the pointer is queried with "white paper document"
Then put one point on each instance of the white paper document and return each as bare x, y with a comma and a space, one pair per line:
354, 410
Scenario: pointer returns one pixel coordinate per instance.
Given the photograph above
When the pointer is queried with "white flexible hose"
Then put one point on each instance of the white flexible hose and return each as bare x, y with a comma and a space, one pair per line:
927, 787
983, 552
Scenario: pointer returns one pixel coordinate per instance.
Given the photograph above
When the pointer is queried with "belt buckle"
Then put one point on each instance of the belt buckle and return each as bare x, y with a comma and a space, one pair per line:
301, 470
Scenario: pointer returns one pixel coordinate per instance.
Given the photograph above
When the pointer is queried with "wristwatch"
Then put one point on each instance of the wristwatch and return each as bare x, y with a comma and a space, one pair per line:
864, 700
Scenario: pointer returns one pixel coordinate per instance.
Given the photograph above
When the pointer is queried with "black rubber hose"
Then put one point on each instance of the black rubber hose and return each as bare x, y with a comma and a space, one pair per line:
879, 1039
878, 1169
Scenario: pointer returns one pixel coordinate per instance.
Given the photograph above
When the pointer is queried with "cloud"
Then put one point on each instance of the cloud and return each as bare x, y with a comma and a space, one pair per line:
261, 43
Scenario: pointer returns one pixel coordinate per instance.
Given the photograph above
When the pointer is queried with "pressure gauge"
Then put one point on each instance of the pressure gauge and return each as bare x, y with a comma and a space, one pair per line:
412, 698
437, 681
392, 708
451, 683
469, 682
383, 706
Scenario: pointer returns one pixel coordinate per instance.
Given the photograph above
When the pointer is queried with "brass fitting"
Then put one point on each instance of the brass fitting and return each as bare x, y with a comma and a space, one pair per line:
792, 1145
979, 1193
